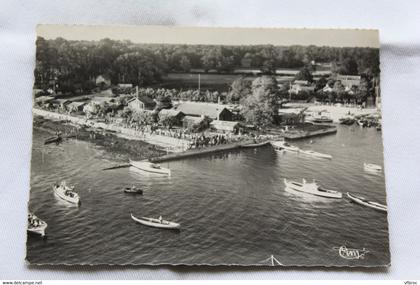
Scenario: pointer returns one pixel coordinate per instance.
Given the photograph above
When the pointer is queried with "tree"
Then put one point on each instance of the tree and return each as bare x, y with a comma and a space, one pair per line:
320, 84
240, 88
184, 64
260, 107
304, 74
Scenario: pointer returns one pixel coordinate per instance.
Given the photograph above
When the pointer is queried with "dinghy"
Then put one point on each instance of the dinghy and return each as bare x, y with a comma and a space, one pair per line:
36, 225
316, 154
362, 201
133, 190
150, 167
312, 188
55, 139
66, 193
156, 223
282, 145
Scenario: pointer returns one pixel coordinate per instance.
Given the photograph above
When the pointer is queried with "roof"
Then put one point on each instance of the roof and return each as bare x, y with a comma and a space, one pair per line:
224, 125
211, 110
348, 77
301, 82
101, 100
170, 112
77, 104
61, 101
43, 99
195, 120
290, 111
145, 99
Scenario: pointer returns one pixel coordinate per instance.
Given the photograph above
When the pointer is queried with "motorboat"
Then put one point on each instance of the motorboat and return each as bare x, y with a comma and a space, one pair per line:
66, 193
283, 145
133, 190
150, 167
347, 121
36, 225
315, 154
256, 144
55, 139
363, 201
312, 188
157, 223
370, 167
322, 119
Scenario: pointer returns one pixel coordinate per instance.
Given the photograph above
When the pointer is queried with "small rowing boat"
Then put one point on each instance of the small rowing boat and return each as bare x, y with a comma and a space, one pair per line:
312, 188
322, 119
66, 193
150, 167
315, 154
36, 225
282, 145
156, 223
370, 167
362, 201
55, 139
133, 190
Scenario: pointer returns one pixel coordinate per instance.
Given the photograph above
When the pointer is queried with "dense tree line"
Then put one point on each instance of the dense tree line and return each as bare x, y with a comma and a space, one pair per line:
71, 66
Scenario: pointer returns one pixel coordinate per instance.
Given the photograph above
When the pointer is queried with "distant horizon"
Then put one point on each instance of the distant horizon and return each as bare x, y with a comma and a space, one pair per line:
337, 38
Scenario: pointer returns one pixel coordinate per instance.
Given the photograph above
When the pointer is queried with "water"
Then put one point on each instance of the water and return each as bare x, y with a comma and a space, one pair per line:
232, 207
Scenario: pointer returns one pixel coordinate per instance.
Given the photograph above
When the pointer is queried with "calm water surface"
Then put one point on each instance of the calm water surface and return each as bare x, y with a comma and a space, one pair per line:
233, 207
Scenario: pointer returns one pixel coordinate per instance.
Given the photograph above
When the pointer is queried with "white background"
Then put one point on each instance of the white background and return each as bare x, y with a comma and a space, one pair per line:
399, 26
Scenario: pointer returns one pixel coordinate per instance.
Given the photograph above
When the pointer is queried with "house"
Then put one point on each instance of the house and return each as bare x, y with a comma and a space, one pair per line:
349, 80
125, 85
190, 122
60, 104
103, 81
175, 115
101, 101
225, 126
141, 103
76, 106
212, 110
299, 86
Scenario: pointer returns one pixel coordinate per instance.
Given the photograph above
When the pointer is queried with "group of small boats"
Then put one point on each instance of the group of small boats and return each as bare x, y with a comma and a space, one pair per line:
285, 146
36, 225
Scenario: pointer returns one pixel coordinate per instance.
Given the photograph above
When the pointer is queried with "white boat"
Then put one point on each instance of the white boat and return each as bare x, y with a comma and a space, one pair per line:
370, 167
362, 201
66, 193
282, 145
150, 167
316, 154
157, 223
312, 188
36, 225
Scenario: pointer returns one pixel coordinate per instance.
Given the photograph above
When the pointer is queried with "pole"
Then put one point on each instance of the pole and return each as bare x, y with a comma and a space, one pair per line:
199, 82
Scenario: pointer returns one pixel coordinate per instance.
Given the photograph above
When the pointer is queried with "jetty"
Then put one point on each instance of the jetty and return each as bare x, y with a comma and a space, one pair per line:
301, 134
204, 151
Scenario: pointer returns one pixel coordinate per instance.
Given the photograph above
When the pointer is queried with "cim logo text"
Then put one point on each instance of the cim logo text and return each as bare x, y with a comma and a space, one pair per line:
352, 253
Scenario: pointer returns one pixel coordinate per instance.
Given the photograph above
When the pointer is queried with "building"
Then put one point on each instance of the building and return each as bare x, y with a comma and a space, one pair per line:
60, 104
190, 122
141, 103
175, 115
299, 86
212, 110
225, 126
103, 81
349, 80
125, 85
76, 106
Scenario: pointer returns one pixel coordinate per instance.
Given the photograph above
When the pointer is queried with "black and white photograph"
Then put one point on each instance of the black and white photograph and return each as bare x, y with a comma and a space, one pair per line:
158, 145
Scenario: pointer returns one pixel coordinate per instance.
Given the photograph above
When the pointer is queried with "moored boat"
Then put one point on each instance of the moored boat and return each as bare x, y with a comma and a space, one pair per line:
133, 190
322, 119
315, 154
347, 121
363, 201
282, 145
256, 144
66, 193
370, 167
36, 225
157, 223
312, 188
150, 167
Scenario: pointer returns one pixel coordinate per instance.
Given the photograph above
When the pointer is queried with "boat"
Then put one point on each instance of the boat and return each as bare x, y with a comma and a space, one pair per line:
36, 225
150, 167
362, 201
282, 145
256, 144
133, 190
316, 154
66, 193
54, 139
322, 119
347, 121
157, 223
312, 188
370, 167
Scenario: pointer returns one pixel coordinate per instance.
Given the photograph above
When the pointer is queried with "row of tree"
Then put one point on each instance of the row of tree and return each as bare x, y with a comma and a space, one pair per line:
71, 66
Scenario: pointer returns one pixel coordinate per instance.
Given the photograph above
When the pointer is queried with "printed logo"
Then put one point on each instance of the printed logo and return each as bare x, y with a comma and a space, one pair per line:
351, 253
